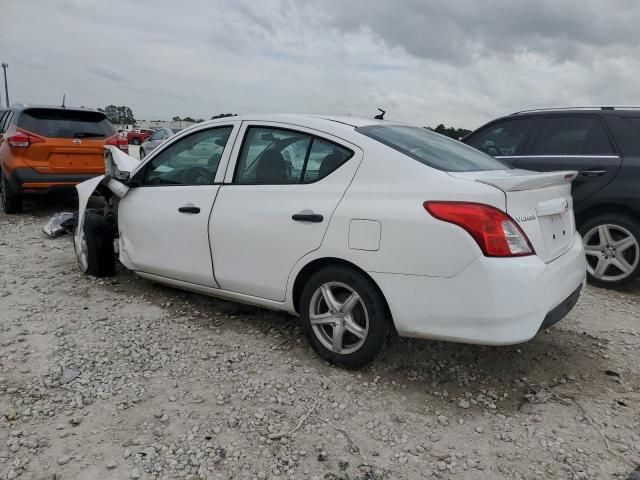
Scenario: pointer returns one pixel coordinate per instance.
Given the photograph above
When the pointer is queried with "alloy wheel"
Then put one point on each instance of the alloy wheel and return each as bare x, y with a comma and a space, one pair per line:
612, 252
339, 318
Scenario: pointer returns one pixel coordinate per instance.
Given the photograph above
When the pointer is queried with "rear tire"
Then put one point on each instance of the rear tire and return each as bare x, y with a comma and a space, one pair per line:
11, 201
612, 246
345, 317
94, 248
142, 153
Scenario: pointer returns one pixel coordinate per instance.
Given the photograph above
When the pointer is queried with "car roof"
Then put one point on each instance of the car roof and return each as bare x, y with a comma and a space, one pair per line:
600, 110
24, 106
328, 123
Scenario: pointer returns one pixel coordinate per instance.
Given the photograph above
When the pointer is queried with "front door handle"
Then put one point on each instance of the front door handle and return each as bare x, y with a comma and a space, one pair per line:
189, 209
307, 217
592, 173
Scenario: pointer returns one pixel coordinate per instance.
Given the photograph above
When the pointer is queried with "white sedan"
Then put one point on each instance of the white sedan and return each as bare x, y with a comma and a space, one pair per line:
361, 227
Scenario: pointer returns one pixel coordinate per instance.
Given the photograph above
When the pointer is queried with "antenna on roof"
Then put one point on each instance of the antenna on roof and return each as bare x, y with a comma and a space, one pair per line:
64, 97
380, 116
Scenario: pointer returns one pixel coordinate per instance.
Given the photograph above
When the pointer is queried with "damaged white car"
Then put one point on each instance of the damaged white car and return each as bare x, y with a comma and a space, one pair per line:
363, 228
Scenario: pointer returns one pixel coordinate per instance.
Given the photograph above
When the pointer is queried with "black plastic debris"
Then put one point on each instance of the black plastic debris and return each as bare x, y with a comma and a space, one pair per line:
61, 223
612, 373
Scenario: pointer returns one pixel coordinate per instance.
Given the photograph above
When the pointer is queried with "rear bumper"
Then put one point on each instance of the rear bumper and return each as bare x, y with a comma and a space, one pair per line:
493, 301
27, 180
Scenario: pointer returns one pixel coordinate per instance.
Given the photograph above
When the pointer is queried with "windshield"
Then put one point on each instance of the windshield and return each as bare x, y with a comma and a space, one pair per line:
431, 149
58, 123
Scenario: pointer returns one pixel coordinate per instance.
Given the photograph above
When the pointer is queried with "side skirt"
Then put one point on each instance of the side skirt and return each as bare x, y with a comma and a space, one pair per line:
218, 293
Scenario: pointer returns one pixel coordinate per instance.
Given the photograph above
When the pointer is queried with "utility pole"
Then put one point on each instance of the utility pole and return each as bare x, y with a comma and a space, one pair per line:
6, 88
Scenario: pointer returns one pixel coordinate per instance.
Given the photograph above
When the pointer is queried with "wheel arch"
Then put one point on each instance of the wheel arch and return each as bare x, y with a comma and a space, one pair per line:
318, 264
606, 208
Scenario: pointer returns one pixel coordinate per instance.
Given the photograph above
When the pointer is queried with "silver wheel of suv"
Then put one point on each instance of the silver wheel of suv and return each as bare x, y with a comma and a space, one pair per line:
338, 318
612, 252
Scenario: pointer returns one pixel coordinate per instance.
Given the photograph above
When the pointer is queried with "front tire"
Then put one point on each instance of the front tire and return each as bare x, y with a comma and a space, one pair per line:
142, 153
11, 201
345, 317
612, 246
94, 246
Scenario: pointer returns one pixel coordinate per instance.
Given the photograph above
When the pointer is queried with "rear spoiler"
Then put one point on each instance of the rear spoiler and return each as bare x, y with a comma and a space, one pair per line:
516, 180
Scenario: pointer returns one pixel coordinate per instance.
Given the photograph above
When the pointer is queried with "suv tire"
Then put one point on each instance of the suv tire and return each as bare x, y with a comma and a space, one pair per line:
355, 306
94, 247
612, 245
11, 201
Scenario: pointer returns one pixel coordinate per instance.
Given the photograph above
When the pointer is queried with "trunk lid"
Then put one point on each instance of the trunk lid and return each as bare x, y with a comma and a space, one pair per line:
540, 203
62, 155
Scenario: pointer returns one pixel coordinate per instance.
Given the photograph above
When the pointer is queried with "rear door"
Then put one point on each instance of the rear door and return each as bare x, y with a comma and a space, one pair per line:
276, 204
573, 142
66, 141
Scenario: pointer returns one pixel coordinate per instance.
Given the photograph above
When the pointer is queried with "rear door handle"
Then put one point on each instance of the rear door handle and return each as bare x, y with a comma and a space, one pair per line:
592, 173
307, 217
189, 209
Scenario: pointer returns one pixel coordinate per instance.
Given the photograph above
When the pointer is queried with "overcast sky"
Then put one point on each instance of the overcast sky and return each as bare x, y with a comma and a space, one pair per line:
461, 62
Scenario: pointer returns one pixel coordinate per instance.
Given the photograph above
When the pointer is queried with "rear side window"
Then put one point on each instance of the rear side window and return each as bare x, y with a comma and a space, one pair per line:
571, 136
273, 156
66, 123
503, 138
431, 149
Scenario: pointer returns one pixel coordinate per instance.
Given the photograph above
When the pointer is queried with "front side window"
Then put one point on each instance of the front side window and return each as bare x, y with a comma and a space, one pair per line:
431, 149
501, 139
272, 156
571, 136
192, 160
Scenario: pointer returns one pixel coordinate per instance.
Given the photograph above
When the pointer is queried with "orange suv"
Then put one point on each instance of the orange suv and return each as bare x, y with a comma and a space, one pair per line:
46, 148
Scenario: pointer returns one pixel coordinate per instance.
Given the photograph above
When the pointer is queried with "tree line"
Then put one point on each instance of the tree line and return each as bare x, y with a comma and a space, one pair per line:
123, 115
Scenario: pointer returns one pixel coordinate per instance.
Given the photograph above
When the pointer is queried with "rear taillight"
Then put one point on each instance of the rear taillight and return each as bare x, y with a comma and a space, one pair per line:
23, 140
118, 141
495, 232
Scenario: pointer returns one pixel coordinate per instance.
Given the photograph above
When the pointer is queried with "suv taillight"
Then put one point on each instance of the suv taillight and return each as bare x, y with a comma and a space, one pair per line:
23, 140
119, 141
494, 231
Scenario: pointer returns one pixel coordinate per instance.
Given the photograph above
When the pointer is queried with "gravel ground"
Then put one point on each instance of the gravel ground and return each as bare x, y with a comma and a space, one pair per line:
122, 378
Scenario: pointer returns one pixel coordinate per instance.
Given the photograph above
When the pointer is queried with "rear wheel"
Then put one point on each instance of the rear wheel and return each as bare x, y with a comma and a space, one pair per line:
94, 246
11, 201
345, 317
142, 153
612, 247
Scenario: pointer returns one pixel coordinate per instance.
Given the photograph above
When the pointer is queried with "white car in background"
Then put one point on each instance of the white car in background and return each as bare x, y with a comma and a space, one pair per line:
360, 227
158, 137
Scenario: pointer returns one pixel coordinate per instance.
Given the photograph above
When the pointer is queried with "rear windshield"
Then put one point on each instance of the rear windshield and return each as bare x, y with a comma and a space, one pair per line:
431, 149
66, 123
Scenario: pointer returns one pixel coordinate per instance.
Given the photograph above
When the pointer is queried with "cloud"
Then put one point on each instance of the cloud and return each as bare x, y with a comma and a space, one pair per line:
108, 71
461, 63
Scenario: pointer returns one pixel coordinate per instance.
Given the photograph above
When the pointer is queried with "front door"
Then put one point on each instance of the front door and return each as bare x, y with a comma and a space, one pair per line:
276, 204
163, 220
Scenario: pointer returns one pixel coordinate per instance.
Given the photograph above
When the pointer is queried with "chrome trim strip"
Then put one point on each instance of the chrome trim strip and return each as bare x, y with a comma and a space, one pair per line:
558, 156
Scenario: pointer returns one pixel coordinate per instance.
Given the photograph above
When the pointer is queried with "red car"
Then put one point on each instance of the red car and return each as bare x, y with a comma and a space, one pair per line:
136, 137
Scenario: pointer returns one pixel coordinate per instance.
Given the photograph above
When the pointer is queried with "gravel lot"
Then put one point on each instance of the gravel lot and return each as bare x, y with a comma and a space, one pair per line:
122, 378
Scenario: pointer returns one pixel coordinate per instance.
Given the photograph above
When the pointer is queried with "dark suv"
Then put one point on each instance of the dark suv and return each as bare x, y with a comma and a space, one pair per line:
603, 144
